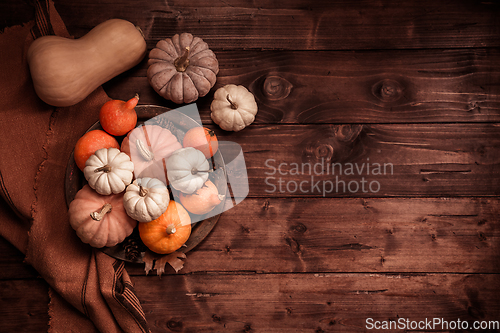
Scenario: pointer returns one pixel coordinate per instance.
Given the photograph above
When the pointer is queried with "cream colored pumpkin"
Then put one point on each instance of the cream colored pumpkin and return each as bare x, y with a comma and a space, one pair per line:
100, 220
65, 70
233, 107
146, 199
108, 171
187, 170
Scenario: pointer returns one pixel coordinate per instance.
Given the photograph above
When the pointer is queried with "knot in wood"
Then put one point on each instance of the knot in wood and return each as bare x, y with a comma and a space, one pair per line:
174, 325
324, 151
347, 133
276, 88
299, 228
387, 90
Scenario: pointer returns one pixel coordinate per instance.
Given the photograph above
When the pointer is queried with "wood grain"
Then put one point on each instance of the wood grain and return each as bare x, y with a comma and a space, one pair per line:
350, 87
302, 25
282, 302
351, 235
11, 263
339, 235
24, 305
17, 12
414, 84
313, 302
419, 160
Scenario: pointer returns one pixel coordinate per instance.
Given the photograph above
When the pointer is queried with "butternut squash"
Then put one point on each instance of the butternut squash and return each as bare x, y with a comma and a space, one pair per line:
65, 71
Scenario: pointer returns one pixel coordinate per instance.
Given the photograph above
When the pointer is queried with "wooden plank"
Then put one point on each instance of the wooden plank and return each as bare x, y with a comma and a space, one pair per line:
11, 263
397, 160
356, 235
350, 87
24, 306
351, 235
314, 302
321, 302
301, 25
371, 160
15, 13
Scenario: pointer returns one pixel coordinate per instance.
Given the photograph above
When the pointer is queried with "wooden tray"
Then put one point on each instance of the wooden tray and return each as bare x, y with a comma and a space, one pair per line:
132, 249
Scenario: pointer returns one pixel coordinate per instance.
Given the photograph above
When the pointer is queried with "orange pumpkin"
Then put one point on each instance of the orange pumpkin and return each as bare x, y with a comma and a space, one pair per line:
203, 200
169, 232
118, 117
91, 142
203, 139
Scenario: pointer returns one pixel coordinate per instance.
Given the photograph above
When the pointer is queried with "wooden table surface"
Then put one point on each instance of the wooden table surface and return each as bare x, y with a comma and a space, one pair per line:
411, 85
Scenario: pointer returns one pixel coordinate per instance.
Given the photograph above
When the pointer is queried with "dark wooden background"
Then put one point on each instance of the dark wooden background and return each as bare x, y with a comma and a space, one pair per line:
412, 83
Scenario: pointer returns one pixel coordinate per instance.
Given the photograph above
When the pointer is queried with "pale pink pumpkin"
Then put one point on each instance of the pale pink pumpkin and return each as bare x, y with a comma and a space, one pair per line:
100, 220
148, 147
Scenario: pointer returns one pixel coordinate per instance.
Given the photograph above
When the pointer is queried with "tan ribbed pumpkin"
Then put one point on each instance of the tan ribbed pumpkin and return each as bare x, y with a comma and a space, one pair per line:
182, 68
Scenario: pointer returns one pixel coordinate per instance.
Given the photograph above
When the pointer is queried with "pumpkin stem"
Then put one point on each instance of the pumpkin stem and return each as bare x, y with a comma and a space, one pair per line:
182, 63
97, 216
132, 103
105, 168
210, 132
194, 171
234, 106
144, 151
171, 229
143, 191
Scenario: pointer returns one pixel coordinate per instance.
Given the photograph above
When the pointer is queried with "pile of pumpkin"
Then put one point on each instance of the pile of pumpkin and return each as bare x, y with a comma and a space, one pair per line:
128, 183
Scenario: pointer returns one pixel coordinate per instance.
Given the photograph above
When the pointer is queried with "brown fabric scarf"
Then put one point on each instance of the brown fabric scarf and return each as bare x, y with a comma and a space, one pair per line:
89, 291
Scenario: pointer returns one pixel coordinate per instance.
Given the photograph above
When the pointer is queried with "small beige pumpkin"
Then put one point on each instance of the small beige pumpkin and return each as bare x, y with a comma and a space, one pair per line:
108, 171
146, 199
233, 107
100, 220
187, 170
182, 68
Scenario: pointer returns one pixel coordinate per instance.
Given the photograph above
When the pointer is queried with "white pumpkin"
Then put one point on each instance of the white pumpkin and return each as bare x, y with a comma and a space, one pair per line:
146, 199
187, 170
233, 107
108, 171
